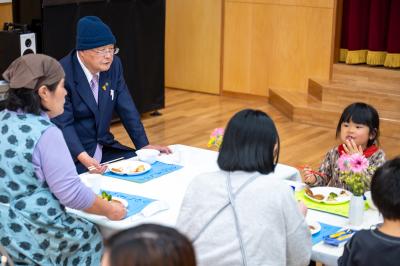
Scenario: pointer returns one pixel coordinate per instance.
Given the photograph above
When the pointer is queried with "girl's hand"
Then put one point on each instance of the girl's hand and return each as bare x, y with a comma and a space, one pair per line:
308, 177
350, 147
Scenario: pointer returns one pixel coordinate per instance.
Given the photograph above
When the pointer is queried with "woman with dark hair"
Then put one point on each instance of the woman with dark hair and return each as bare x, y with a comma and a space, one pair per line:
150, 245
38, 177
243, 214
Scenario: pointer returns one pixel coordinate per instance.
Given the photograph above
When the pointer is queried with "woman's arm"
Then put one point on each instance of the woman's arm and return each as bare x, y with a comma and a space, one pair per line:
112, 210
53, 164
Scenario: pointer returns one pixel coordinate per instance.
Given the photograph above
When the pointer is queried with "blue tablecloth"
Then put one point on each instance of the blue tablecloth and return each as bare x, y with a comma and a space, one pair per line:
135, 203
326, 229
157, 169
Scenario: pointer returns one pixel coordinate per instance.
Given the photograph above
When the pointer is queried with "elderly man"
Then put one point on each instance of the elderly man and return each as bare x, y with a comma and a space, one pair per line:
96, 87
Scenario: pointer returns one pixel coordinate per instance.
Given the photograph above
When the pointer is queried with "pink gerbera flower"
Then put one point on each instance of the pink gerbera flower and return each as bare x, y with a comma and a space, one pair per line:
344, 162
217, 132
358, 163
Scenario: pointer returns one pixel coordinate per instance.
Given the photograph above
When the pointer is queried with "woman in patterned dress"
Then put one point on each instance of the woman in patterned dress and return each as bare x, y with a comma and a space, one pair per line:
38, 177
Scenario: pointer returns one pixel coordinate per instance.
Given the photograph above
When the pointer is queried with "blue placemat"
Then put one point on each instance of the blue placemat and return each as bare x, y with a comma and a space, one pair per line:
157, 169
326, 229
135, 203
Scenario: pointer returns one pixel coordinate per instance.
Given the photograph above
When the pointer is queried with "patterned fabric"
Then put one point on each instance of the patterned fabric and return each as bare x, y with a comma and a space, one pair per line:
34, 227
330, 168
94, 86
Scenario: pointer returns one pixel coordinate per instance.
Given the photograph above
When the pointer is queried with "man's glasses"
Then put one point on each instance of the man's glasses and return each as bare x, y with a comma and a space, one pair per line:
106, 51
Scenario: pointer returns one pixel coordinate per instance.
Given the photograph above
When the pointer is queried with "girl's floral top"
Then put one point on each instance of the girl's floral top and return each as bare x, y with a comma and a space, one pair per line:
331, 169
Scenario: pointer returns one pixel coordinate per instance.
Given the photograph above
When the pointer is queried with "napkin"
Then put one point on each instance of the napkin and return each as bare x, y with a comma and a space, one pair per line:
326, 230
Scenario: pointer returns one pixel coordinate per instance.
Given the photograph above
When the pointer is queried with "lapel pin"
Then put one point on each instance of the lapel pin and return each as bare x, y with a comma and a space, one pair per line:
104, 87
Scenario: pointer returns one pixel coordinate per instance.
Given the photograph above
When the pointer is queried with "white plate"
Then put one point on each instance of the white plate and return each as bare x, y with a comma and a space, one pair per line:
341, 198
128, 167
123, 201
314, 227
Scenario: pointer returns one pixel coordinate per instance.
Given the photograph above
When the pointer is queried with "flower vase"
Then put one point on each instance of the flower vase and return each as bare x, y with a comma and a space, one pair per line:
356, 211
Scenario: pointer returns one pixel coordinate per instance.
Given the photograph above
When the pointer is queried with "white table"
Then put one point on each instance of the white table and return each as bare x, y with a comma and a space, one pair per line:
169, 189
329, 255
326, 254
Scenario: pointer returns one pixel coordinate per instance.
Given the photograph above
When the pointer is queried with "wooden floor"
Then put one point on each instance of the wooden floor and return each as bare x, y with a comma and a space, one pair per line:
324, 101
189, 118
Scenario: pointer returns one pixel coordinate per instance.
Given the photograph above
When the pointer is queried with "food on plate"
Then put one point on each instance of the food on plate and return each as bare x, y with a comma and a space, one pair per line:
140, 168
344, 193
311, 227
130, 168
308, 192
332, 196
311, 194
104, 195
319, 196
118, 170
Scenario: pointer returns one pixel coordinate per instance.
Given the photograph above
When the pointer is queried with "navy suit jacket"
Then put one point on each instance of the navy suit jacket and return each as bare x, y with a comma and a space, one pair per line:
84, 123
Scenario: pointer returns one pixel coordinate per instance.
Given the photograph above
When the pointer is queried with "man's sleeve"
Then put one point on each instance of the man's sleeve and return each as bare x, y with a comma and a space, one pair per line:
65, 122
126, 109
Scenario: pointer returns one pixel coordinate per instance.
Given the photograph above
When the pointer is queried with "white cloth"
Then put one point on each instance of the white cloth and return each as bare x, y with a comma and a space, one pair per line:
86, 71
273, 229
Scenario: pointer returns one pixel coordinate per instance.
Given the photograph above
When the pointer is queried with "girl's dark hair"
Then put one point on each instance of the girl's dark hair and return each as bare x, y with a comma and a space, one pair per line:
385, 189
248, 143
27, 100
151, 244
361, 113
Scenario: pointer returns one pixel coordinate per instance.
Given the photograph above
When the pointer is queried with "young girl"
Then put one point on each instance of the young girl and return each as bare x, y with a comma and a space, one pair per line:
358, 129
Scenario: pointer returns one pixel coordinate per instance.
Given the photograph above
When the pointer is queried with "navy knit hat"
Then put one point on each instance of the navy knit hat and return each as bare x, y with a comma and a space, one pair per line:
93, 33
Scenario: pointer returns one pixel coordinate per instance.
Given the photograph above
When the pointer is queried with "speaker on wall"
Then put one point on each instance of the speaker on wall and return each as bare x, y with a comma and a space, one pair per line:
27, 43
29, 13
14, 44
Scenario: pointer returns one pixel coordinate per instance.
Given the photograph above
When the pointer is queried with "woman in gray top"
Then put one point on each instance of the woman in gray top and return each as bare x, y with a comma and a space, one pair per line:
242, 214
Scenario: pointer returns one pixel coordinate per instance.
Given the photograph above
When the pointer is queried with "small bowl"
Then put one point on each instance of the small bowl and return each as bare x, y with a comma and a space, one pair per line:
369, 200
148, 155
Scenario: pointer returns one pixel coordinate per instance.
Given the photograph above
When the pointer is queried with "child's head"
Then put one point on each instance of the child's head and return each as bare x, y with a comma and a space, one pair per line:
360, 122
150, 244
385, 189
250, 143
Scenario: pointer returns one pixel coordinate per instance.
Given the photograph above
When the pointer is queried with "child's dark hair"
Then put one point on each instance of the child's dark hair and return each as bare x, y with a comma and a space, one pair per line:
151, 244
385, 189
361, 113
249, 143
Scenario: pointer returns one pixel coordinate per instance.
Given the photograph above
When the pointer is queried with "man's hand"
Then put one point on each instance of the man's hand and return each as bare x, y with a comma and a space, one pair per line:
91, 164
162, 149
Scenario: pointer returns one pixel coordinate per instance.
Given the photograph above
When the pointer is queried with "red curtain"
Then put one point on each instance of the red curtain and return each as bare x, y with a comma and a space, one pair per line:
371, 32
